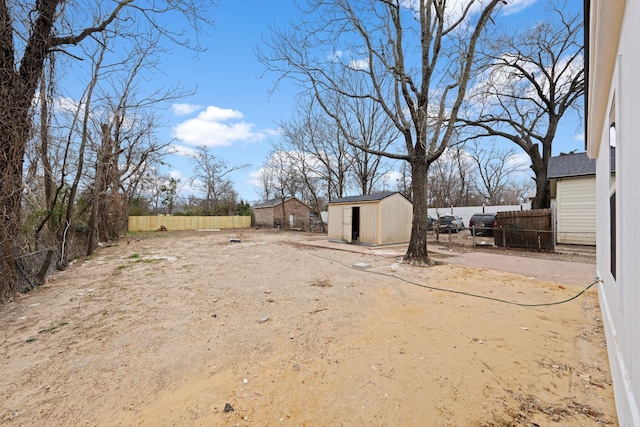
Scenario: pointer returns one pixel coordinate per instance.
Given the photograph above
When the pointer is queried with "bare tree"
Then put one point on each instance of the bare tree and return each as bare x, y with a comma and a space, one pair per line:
404, 182
451, 177
284, 179
535, 76
212, 177
414, 59
312, 133
367, 129
518, 191
29, 32
304, 177
322, 162
128, 143
265, 182
496, 169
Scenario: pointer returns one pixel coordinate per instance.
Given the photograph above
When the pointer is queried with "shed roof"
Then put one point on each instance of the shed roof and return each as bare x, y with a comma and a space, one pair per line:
574, 164
275, 202
374, 197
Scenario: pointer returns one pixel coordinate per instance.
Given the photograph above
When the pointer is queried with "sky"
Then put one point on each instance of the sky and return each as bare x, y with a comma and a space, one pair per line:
233, 111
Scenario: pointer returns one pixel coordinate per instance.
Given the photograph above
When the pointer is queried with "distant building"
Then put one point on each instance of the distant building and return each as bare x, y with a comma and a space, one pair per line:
290, 213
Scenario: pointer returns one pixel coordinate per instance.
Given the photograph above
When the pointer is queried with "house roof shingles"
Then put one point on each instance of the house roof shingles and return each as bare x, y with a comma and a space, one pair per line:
275, 202
574, 164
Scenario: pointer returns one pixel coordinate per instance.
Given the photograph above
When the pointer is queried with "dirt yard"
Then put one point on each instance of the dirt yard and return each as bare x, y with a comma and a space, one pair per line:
194, 329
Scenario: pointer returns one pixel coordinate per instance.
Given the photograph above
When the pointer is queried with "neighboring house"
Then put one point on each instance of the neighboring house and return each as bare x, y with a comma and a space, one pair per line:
573, 193
373, 219
270, 213
613, 123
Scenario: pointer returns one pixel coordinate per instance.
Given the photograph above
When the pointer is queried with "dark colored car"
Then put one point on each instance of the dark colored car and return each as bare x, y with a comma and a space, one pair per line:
450, 223
483, 224
430, 222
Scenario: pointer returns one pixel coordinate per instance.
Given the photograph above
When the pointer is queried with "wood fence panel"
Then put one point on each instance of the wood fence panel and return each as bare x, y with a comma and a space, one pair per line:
178, 223
530, 229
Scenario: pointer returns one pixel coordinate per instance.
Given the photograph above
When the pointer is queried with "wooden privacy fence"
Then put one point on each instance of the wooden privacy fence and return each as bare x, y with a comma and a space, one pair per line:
532, 229
176, 223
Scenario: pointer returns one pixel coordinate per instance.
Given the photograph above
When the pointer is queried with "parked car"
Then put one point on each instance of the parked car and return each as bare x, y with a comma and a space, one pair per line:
430, 222
452, 223
483, 224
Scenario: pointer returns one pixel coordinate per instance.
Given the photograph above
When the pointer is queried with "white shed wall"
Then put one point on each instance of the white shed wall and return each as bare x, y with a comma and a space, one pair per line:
370, 223
382, 222
397, 217
576, 210
334, 222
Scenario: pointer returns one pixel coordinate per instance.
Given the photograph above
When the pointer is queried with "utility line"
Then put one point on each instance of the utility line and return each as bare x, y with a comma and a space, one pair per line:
435, 288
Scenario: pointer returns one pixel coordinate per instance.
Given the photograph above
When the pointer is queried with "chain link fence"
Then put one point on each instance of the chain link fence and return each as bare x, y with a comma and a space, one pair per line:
33, 268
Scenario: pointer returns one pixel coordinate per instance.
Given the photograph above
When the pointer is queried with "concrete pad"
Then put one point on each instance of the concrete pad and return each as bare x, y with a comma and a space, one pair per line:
562, 272
568, 273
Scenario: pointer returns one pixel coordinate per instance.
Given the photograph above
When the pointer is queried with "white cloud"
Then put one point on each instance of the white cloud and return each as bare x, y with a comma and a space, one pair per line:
254, 177
516, 6
579, 137
211, 128
520, 159
392, 177
455, 8
65, 104
184, 109
177, 175
181, 150
359, 64
219, 114
335, 56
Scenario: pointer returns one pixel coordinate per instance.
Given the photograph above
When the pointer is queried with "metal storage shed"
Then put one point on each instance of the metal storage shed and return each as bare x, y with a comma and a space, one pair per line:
372, 219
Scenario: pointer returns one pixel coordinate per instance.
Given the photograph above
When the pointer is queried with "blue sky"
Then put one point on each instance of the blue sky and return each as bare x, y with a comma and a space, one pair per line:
232, 110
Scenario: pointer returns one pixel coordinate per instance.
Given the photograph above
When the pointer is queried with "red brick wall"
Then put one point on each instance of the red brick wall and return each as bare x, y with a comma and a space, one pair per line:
267, 217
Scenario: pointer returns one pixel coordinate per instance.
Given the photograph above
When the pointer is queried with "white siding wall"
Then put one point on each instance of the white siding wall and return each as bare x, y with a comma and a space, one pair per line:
397, 216
334, 222
370, 223
619, 296
576, 210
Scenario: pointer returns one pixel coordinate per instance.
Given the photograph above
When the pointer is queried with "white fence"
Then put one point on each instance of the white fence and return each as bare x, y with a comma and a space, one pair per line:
467, 211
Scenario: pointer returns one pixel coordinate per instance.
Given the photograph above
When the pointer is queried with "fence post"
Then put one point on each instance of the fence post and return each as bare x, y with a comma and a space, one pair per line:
554, 237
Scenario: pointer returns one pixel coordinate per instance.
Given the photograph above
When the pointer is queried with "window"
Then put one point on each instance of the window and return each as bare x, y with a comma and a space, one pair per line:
612, 196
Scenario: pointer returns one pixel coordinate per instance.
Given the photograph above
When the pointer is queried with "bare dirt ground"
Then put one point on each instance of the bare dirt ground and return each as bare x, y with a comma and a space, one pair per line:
168, 329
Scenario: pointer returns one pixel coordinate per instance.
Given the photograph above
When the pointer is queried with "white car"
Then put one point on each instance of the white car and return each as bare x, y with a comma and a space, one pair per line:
452, 223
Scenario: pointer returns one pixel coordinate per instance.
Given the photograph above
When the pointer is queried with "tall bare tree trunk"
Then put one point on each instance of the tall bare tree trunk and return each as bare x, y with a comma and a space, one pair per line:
417, 249
14, 132
17, 89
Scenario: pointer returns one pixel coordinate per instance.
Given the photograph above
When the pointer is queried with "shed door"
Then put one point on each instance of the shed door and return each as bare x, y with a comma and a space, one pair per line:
346, 224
